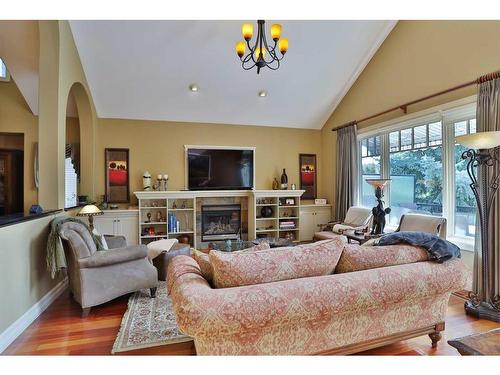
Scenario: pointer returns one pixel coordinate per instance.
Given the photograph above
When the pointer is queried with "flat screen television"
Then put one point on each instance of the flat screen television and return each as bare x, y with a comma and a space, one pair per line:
220, 169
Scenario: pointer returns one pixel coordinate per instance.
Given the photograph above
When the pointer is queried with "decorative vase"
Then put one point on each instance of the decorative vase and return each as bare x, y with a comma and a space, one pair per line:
266, 211
276, 184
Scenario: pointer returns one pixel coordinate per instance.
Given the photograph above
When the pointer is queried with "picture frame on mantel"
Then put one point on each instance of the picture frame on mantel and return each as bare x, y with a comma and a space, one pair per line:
117, 175
308, 175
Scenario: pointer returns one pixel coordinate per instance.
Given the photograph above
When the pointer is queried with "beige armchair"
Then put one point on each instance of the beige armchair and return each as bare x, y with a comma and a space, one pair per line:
96, 277
436, 225
356, 218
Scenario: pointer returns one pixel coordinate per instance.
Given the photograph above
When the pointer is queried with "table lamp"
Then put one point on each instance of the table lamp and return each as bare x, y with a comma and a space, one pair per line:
483, 153
378, 211
90, 211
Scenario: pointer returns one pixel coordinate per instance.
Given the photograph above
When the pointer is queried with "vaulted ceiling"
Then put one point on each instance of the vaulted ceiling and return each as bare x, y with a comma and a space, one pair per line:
142, 70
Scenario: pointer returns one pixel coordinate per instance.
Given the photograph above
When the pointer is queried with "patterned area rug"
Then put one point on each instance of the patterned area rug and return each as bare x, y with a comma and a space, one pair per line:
148, 322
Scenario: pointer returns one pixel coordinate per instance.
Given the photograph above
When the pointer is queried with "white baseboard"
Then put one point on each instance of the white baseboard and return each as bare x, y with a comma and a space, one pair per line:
18, 327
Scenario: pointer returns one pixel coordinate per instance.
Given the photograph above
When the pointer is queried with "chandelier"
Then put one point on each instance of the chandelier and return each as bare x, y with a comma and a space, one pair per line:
256, 57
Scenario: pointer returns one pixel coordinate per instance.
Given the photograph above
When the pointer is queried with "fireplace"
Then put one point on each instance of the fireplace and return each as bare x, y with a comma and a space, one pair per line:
220, 222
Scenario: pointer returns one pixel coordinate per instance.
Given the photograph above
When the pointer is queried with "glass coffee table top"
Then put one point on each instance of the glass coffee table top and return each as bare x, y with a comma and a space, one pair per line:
237, 245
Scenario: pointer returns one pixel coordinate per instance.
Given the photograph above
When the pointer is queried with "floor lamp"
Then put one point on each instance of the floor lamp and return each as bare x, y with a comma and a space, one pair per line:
484, 154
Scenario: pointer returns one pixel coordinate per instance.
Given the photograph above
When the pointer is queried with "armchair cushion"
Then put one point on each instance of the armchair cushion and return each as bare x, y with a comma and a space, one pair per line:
115, 242
358, 216
114, 256
435, 225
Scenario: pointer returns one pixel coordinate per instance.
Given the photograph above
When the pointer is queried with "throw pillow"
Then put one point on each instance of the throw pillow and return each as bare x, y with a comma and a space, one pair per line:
258, 267
206, 267
102, 238
358, 258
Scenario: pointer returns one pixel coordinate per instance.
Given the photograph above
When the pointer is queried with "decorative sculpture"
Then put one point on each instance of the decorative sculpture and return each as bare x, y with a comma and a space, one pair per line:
146, 181
378, 211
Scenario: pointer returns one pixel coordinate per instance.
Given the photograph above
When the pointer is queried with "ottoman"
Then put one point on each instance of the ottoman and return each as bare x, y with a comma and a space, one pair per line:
161, 261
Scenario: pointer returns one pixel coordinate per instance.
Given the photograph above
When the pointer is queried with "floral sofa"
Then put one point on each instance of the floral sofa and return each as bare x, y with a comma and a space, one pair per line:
375, 297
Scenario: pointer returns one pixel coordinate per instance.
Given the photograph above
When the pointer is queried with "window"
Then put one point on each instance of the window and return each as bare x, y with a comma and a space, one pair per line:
416, 172
424, 164
4, 73
70, 177
370, 166
465, 203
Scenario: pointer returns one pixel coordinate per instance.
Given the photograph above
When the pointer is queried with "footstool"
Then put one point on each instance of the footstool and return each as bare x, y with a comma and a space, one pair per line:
161, 261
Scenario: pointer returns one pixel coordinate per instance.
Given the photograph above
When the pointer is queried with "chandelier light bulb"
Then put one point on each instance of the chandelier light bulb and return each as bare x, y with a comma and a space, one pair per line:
240, 49
276, 31
283, 45
247, 31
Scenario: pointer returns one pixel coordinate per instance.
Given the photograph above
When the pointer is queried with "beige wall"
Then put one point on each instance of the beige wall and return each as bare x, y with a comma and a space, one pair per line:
417, 59
158, 147
25, 279
16, 117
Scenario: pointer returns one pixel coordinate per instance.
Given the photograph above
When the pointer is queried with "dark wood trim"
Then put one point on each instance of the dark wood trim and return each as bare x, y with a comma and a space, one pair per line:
5, 221
382, 341
404, 106
106, 182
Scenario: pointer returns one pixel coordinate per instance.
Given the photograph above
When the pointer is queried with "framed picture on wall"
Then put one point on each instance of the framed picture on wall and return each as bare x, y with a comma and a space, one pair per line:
116, 166
308, 175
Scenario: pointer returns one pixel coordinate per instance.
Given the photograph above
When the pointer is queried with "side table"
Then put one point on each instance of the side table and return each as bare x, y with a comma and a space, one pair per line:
487, 343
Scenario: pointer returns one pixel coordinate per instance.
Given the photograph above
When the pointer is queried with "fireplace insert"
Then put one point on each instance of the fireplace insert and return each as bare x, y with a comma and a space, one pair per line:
220, 222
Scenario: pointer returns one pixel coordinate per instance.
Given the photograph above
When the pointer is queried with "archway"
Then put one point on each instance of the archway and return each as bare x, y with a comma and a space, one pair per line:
83, 125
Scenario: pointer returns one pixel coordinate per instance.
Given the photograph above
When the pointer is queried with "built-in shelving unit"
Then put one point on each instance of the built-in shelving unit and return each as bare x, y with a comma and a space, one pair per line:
164, 217
284, 204
277, 214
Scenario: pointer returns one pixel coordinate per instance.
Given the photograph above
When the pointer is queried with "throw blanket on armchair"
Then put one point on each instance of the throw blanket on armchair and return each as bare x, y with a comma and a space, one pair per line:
55, 252
439, 250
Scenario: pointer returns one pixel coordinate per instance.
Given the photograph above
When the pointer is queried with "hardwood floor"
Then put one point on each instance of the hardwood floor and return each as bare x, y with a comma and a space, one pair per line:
60, 330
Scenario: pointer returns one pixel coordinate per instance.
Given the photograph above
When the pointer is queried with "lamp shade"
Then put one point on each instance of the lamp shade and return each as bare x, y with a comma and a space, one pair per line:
283, 45
89, 210
480, 141
378, 182
240, 49
247, 31
276, 31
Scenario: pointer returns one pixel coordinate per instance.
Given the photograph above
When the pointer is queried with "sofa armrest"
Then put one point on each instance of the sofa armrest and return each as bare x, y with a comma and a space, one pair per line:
115, 242
114, 256
203, 311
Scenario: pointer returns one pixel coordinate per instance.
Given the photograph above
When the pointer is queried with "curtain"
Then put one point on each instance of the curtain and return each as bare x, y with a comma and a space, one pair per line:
488, 119
347, 170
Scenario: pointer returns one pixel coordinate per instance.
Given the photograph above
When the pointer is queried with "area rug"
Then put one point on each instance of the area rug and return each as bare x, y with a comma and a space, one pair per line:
148, 322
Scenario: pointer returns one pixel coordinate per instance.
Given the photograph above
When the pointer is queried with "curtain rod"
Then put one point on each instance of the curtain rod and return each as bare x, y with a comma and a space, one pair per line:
404, 106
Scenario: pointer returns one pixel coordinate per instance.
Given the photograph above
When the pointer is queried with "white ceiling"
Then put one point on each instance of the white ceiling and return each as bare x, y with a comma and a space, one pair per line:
142, 70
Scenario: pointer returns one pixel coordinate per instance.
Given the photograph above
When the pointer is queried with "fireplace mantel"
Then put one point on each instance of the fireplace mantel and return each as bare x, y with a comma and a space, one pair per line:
189, 194
284, 206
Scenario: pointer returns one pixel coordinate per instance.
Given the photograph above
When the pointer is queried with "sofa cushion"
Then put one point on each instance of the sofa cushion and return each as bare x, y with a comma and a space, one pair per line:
206, 267
316, 259
358, 258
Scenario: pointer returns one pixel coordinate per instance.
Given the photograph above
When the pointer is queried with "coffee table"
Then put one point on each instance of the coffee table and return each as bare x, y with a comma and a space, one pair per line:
487, 343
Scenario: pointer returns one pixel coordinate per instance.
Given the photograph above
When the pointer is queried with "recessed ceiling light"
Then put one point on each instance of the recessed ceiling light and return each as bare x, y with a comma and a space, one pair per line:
263, 93
193, 87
